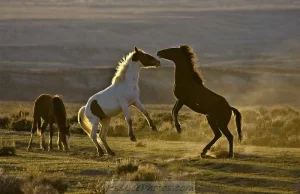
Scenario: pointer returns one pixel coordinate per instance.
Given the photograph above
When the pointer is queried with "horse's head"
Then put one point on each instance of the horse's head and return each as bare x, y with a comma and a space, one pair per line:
177, 54
64, 136
144, 58
173, 54
184, 58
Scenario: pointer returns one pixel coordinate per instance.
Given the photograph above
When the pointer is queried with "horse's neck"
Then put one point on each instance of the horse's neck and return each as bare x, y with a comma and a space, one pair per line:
181, 76
132, 73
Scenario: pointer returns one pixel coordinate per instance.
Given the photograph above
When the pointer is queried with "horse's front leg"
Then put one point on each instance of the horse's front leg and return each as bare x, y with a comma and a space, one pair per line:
126, 111
178, 105
141, 108
33, 131
50, 136
59, 142
43, 144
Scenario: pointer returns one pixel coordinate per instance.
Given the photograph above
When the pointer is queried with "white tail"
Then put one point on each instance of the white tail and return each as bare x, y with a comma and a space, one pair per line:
84, 122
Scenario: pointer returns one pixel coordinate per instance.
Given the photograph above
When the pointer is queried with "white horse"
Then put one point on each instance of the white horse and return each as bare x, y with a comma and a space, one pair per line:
122, 93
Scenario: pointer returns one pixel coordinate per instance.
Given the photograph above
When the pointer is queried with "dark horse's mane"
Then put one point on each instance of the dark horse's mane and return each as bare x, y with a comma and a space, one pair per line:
192, 62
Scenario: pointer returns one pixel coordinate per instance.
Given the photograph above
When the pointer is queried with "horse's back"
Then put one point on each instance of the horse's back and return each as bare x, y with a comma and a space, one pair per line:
43, 106
108, 101
59, 111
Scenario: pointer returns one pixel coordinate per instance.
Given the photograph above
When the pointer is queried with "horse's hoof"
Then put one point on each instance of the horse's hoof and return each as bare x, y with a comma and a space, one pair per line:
50, 149
111, 153
154, 128
28, 149
100, 154
203, 154
230, 156
178, 128
133, 139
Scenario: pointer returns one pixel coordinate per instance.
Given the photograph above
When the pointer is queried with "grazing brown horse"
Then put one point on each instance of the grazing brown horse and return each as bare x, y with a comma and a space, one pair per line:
190, 91
52, 110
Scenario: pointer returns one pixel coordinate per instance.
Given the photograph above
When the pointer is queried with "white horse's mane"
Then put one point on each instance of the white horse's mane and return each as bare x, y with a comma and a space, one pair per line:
121, 68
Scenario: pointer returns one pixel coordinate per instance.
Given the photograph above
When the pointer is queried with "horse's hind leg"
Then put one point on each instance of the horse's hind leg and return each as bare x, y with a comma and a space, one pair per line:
104, 128
93, 136
30, 142
229, 137
213, 124
33, 131
59, 142
50, 136
43, 144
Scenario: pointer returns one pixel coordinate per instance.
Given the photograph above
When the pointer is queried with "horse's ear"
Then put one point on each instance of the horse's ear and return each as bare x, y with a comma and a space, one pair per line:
136, 49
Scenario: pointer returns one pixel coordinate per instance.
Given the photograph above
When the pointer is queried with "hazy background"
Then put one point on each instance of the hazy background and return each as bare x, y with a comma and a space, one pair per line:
248, 51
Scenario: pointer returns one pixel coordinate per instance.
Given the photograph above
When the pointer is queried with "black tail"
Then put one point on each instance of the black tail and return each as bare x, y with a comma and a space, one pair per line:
238, 122
59, 111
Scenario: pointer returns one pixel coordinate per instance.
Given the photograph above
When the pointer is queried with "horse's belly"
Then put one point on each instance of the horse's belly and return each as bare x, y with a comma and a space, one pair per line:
112, 111
110, 106
198, 107
109, 102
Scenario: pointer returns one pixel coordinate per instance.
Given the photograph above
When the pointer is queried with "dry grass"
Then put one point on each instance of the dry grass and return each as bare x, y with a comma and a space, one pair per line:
35, 182
254, 169
9, 185
263, 126
7, 148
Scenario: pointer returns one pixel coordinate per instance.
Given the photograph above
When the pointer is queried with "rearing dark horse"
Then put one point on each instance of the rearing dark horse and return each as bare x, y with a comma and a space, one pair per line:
190, 91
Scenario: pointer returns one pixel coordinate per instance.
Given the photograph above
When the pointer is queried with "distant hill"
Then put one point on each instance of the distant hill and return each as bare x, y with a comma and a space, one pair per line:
248, 50
75, 33
241, 85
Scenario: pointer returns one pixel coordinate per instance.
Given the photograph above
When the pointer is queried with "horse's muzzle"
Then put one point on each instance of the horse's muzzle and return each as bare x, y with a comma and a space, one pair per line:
158, 64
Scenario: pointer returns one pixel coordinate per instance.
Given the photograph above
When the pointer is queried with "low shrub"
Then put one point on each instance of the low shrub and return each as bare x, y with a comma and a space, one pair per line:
20, 114
126, 166
7, 151
37, 182
145, 173
44, 189
76, 129
4, 121
20, 125
140, 144
73, 119
98, 187
118, 130
7, 148
9, 185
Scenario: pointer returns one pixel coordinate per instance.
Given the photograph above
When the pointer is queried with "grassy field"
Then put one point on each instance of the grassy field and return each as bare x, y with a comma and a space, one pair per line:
255, 169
